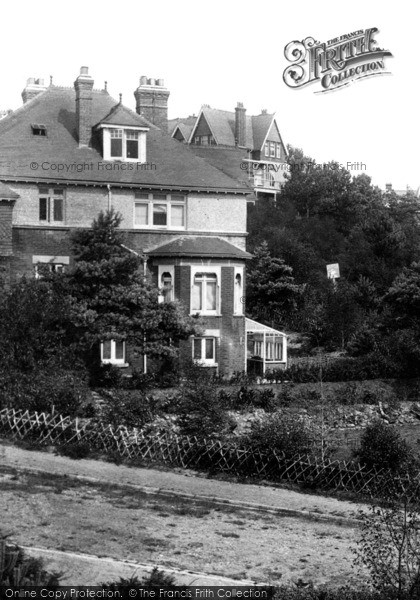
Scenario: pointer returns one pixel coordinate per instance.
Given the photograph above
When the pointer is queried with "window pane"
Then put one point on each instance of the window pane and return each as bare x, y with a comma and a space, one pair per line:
106, 350
58, 209
116, 147
197, 349
197, 295
119, 350
116, 133
211, 295
209, 348
141, 214
159, 214
177, 215
167, 287
132, 149
43, 209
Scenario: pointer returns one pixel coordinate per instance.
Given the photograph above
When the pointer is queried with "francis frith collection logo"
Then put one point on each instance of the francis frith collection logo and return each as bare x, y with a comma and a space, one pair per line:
337, 62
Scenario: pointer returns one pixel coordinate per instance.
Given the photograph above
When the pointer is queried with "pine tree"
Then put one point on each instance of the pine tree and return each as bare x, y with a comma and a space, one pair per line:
114, 298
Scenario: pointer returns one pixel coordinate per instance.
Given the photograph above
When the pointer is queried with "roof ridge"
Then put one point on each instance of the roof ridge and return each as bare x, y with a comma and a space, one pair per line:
131, 111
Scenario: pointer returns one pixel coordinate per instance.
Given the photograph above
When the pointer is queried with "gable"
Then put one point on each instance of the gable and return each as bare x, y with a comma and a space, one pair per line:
177, 135
202, 127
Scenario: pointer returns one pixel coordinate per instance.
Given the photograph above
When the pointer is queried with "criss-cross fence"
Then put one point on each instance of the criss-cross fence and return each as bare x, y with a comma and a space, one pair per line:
208, 454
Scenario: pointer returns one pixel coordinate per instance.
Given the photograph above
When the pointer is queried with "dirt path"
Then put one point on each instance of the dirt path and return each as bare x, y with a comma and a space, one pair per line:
56, 512
188, 483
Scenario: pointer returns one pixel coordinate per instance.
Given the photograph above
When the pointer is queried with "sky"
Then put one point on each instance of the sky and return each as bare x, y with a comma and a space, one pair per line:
223, 52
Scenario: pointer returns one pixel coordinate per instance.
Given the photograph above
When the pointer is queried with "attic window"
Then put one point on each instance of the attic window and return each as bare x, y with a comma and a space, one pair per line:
39, 130
122, 144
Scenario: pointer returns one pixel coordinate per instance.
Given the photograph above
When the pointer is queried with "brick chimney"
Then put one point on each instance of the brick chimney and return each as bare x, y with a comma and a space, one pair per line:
83, 86
32, 89
240, 125
152, 101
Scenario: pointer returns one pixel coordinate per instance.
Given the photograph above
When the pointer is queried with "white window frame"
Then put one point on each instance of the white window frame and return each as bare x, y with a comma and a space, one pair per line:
204, 361
51, 197
126, 131
278, 151
238, 294
169, 203
118, 362
208, 269
171, 270
272, 149
53, 262
267, 149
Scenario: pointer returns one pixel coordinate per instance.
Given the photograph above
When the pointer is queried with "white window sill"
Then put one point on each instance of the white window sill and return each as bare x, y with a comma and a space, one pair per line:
115, 364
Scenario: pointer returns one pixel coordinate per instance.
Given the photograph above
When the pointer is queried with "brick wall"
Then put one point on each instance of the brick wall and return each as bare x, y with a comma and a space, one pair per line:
6, 215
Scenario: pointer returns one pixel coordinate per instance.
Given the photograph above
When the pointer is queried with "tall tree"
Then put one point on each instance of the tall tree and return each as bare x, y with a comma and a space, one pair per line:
272, 294
115, 300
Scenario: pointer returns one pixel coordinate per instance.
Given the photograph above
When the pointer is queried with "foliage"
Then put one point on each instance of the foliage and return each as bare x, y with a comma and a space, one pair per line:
323, 216
156, 578
202, 411
382, 446
49, 388
115, 300
282, 433
389, 547
19, 570
131, 408
271, 291
75, 450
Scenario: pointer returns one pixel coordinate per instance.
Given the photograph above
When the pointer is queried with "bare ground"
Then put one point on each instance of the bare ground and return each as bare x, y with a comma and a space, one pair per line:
50, 511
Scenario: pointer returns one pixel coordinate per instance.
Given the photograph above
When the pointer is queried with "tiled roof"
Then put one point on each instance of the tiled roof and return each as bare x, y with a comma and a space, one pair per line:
188, 123
260, 127
228, 160
222, 125
22, 155
6, 193
121, 115
190, 245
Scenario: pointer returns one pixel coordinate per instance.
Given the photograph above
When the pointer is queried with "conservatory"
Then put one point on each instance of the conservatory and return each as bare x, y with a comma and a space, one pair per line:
266, 348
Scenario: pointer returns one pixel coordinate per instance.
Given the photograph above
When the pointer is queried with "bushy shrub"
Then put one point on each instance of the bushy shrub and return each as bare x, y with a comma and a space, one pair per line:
156, 578
106, 376
282, 433
202, 412
131, 408
44, 389
383, 447
19, 570
75, 450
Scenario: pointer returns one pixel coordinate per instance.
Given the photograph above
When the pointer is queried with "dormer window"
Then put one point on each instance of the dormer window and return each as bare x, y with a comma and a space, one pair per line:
39, 130
124, 144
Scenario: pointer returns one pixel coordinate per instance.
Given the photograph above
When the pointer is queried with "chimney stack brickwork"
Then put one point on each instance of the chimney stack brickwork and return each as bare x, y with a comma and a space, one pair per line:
152, 101
240, 125
84, 86
32, 89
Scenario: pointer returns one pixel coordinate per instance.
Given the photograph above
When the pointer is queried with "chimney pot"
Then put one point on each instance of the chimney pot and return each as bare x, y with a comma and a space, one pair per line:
152, 101
84, 70
33, 87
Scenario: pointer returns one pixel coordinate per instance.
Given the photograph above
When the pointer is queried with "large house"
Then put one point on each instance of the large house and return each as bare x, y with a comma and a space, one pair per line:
70, 152
248, 148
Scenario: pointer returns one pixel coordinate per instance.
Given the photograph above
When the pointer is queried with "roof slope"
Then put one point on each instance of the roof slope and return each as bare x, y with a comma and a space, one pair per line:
6, 193
228, 160
222, 125
199, 246
24, 156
